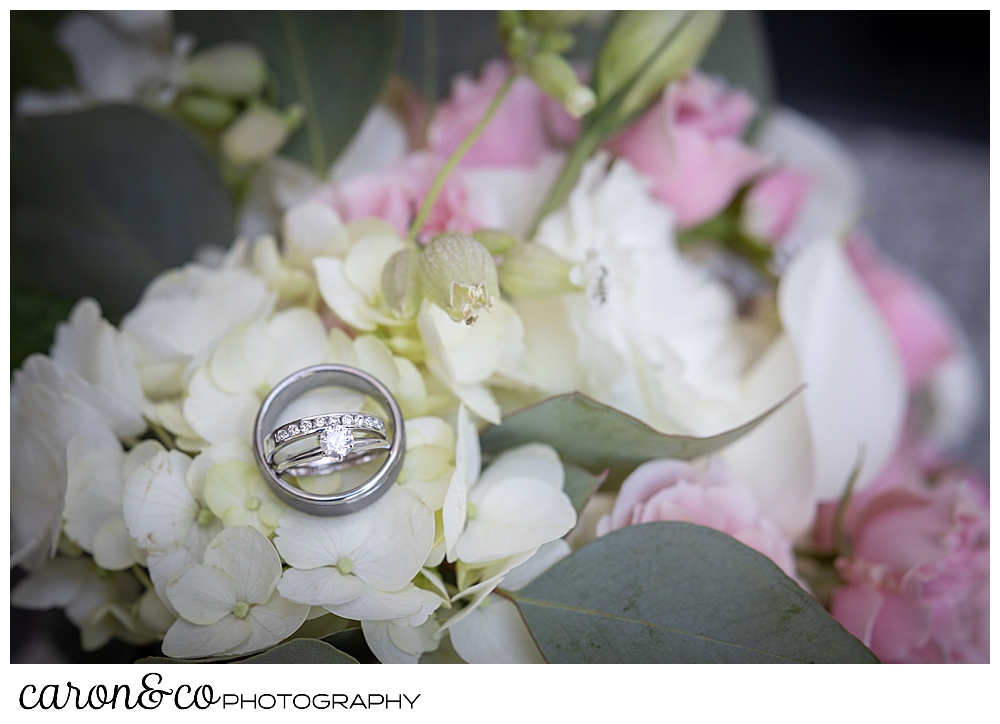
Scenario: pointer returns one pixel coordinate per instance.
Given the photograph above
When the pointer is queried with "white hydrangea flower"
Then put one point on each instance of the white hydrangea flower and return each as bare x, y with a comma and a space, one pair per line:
88, 345
48, 408
490, 630
467, 358
352, 286
93, 516
238, 495
102, 604
394, 644
515, 505
165, 517
360, 566
183, 313
229, 604
430, 460
225, 394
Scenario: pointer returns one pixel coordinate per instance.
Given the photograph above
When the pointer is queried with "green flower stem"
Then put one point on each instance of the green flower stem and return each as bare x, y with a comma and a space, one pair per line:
581, 153
456, 157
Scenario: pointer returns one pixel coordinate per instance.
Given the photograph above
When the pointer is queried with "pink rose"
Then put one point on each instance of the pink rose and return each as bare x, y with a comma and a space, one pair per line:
920, 328
689, 145
675, 490
396, 194
774, 203
525, 125
917, 574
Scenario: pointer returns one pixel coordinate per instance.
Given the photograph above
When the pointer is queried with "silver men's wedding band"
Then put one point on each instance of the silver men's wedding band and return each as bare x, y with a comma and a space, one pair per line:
265, 440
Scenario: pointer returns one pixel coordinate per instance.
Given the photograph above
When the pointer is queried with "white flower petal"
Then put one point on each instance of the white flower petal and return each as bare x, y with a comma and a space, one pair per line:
378, 144
534, 460
221, 452
273, 621
544, 558
216, 415
855, 391
393, 644
468, 459
113, 547
325, 586
298, 339
512, 516
202, 594
374, 357
345, 301
313, 228
250, 559
364, 263
375, 605
243, 358
495, 633
776, 459
189, 641
56, 585
158, 506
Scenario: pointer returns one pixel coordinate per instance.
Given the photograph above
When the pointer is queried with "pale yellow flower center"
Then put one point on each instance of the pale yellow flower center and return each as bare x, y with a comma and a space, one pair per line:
241, 609
471, 511
253, 503
345, 565
205, 517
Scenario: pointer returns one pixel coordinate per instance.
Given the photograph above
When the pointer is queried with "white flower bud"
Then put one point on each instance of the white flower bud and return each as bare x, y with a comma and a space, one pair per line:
532, 270
208, 112
401, 283
496, 241
257, 134
556, 78
458, 274
233, 70
635, 37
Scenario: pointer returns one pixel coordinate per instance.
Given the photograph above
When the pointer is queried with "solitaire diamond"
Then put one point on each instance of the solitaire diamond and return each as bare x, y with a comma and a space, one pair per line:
336, 441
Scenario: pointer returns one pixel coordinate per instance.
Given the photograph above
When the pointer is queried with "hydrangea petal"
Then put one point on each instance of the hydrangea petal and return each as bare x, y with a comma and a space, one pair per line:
202, 594
189, 641
250, 559
495, 633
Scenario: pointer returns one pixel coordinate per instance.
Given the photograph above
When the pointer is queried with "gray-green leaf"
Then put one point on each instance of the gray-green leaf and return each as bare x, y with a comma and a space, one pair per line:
333, 63
105, 199
301, 651
579, 485
678, 593
596, 437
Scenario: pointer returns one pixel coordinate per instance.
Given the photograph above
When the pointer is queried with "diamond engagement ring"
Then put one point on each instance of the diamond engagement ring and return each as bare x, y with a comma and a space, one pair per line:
327, 443
340, 441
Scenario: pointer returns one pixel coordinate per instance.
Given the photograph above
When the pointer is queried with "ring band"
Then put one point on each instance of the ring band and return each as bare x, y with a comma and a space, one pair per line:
338, 445
316, 461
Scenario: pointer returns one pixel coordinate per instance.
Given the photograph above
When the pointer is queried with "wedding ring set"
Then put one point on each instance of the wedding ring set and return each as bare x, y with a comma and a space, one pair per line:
328, 443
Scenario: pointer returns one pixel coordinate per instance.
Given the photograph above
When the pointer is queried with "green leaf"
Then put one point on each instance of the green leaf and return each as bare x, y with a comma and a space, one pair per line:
352, 642
35, 59
301, 651
33, 319
678, 593
579, 485
596, 437
295, 651
105, 199
333, 63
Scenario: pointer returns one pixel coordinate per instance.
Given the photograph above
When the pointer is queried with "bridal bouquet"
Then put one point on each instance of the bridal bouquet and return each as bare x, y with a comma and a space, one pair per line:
664, 398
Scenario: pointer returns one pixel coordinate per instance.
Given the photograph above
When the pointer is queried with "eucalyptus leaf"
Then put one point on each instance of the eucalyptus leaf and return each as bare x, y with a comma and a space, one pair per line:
104, 199
334, 63
674, 592
352, 642
301, 651
595, 437
579, 485
739, 53
33, 319
294, 651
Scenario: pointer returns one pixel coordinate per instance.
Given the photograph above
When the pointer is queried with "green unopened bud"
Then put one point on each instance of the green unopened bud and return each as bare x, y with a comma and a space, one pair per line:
555, 19
518, 41
556, 78
639, 34
257, 134
233, 70
557, 41
209, 112
496, 241
532, 270
509, 19
458, 274
401, 283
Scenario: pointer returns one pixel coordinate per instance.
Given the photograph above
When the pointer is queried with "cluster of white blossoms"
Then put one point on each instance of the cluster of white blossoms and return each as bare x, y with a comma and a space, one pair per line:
137, 506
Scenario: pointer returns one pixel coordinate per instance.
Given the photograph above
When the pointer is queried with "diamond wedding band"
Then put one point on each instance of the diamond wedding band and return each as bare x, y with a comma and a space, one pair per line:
340, 441
327, 443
